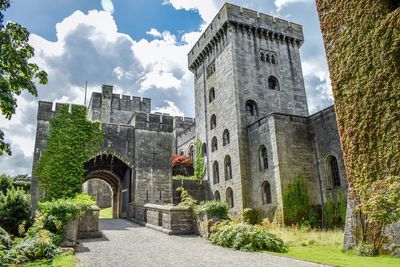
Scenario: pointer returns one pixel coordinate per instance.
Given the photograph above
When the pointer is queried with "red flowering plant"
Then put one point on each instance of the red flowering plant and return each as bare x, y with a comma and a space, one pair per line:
181, 165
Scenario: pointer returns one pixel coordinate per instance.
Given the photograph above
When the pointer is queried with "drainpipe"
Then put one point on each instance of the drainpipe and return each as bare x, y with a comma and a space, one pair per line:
319, 181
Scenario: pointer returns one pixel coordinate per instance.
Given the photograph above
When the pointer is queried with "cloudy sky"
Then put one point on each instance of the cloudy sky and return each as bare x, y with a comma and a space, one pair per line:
140, 47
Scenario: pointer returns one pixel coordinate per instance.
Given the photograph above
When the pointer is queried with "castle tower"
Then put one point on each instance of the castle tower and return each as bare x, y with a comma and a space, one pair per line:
246, 66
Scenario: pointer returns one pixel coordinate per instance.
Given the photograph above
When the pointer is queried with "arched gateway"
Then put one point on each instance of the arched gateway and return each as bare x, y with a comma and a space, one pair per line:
115, 171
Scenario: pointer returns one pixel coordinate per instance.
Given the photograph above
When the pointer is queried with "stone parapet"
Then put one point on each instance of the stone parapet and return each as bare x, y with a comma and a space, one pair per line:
169, 219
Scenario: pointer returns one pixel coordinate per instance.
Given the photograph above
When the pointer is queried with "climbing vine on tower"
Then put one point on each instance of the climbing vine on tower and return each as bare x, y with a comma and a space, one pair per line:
73, 139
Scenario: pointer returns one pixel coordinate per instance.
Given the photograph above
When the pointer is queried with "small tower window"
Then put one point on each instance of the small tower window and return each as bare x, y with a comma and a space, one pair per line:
229, 197
191, 152
228, 168
217, 196
215, 172
211, 95
333, 171
262, 56
225, 138
251, 108
267, 58
273, 61
204, 149
214, 144
263, 158
273, 83
266, 190
213, 121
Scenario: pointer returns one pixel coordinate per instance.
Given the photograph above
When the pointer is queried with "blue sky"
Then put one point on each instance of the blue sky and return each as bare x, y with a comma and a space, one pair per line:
140, 47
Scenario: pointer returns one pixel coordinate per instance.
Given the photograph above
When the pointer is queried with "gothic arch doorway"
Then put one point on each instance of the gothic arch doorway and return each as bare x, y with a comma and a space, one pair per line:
117, 174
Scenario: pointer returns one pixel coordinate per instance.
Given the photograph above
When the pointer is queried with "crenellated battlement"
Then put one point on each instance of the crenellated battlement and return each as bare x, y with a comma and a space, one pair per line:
152, 121
159, 121
238, 19
119, 102
183, 122
47, 109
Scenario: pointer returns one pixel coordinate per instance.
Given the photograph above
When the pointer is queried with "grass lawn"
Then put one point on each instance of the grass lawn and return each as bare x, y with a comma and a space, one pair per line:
106, 213
62, 260
326, 247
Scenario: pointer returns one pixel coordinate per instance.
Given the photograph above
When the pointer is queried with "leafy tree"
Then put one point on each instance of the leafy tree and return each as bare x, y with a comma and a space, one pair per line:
15, 208
16, 73
199, 164
181, 165
73, 139
6, 182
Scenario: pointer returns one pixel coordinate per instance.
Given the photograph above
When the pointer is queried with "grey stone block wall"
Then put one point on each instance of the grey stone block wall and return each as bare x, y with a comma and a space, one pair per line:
327, 143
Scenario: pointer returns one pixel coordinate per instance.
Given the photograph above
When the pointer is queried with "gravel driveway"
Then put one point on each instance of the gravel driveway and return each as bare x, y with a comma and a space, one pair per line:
128, 244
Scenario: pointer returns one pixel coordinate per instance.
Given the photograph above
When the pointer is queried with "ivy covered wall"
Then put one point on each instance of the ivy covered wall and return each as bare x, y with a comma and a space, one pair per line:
362, 41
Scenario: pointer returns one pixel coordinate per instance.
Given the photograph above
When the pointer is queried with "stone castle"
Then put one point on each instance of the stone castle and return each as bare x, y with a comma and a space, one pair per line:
251, 117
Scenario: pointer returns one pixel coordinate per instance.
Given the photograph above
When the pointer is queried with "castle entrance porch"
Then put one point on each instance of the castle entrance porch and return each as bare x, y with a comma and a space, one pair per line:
117, 174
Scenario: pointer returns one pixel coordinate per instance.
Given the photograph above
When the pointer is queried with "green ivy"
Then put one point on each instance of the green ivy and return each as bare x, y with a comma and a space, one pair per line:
296, 204
199, 163
73, 139
362, 40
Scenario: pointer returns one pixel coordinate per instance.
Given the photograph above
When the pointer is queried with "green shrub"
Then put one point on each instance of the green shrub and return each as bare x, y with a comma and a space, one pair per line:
212, 208
84, 201
296, 204
251, 216
335, 211
185, 198
15, 208
199, 162
34, 247
57, 214
247, 238
182, 177
5, 240
6, 182
365, 250
25, 186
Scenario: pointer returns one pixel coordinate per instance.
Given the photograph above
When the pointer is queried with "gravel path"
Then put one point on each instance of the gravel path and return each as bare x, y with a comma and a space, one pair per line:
128, 244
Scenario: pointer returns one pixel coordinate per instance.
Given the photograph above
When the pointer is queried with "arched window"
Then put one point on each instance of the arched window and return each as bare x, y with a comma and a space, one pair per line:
266, 192
262, 56
273, 59
217, 196
211, 96
229, 197
191, 152
214, 144
215, 172
181, 153
213, 121
228, 168
204, 149
332, 171
251, 108
273, 83
267, 58
263, 158
225, 137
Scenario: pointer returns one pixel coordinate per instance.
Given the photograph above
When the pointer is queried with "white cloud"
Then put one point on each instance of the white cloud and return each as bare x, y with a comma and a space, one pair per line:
108, 6
154, 32
206, 8
281, 3
169, 108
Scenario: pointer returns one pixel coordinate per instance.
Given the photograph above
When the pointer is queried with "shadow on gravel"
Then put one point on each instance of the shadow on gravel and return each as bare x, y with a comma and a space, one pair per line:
117, 224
